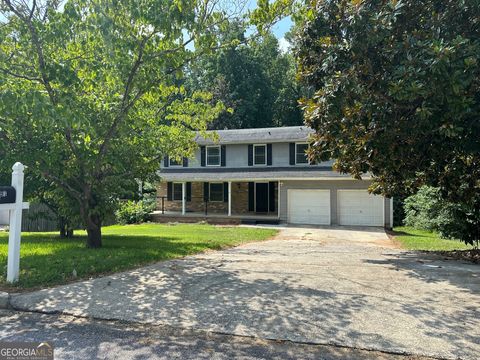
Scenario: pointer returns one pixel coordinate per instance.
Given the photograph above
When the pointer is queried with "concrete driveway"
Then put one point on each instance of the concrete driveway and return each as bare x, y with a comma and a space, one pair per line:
346, 287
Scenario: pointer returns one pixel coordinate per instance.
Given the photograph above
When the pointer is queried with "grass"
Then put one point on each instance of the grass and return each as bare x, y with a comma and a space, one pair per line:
414, 239
47, 260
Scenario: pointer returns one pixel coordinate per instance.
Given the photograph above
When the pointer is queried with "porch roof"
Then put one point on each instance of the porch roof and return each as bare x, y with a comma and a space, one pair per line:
258, 174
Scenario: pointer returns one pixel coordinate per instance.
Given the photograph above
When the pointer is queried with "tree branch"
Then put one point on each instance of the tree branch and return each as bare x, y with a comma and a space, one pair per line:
75, 193
37, 47
124, 107
20, 76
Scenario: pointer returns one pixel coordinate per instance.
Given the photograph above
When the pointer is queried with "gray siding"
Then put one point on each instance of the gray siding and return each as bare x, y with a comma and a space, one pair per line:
237, 156
333, 186
281, 154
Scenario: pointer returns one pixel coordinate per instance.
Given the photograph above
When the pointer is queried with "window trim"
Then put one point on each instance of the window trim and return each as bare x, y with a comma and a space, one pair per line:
210, 191
219, 155
265, 147
173, 191
170, 162
296, 153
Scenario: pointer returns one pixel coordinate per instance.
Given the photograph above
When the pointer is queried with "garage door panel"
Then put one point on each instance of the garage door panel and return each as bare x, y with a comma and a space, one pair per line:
358, 207
309, 207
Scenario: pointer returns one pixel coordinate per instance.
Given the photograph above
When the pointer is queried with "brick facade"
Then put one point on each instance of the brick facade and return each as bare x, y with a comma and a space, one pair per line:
197, 204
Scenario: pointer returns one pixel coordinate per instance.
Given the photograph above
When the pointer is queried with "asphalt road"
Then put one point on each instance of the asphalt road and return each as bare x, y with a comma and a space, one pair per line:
77, 338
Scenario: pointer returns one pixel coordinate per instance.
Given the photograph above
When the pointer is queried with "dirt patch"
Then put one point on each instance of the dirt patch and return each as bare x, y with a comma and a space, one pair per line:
466, 255
391, 243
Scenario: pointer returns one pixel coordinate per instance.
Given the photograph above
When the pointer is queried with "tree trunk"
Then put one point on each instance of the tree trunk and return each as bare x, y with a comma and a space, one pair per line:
66, 231
63, 228
94, 231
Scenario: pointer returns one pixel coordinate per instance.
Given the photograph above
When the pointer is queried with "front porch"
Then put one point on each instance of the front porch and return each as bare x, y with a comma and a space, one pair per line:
215, 218
226, 202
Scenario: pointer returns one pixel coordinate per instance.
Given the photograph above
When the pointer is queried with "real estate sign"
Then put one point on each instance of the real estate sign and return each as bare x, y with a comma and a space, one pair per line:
11, 203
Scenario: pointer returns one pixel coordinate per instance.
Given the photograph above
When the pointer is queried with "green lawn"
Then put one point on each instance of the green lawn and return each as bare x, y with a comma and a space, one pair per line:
414, 239
47, 260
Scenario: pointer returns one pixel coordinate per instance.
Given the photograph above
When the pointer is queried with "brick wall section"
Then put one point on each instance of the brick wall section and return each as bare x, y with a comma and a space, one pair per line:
239, 200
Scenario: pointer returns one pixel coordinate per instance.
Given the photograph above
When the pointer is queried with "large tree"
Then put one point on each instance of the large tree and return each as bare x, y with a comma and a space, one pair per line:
397, 93
89, 92
254, 79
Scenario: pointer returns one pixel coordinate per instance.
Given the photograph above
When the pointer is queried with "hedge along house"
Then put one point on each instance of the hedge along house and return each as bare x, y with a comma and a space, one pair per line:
263, 175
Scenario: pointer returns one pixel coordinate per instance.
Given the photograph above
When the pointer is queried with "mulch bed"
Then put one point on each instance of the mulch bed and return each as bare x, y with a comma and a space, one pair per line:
467, 255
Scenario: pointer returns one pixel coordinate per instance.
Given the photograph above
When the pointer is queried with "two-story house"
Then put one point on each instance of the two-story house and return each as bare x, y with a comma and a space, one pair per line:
257, 175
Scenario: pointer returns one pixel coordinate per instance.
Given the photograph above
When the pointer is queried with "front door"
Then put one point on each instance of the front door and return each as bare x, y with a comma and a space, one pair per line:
261, 197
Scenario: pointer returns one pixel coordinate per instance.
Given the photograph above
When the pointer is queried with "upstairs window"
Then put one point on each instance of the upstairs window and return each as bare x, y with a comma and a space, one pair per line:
175, 162
259, 154
301, 154
213, 155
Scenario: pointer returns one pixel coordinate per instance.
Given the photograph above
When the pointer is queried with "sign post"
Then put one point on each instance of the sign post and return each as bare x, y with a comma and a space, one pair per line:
13, 202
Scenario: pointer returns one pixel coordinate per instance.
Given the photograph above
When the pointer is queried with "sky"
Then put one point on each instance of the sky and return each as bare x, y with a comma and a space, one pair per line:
282, 27
279, 29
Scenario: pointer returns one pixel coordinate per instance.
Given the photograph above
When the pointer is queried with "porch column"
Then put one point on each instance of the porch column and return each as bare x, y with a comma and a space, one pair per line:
229, 198
184, 195
278, 199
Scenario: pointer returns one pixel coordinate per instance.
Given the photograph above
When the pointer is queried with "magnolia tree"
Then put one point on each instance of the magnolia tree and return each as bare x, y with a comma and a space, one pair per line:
395, 92
90, 96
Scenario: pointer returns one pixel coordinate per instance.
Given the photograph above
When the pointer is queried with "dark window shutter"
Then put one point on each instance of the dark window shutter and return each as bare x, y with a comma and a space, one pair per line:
225, 192
292, 153
251, 196
250, 155
269, 154
185, 162
202, 155
223, 155
169, 191
189, 191
165, 161
206, 192
271, 195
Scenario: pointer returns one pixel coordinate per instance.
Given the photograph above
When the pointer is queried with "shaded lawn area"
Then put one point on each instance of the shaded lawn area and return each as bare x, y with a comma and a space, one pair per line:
47, 260
413, 239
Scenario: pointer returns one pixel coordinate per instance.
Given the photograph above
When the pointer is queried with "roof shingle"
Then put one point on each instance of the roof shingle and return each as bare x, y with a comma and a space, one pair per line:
269, 135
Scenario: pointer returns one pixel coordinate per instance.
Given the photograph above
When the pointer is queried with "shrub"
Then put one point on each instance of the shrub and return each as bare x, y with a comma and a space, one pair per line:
134, 212
423, 208
427, 210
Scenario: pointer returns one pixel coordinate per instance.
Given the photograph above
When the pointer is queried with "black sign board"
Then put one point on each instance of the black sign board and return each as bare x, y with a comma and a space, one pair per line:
7, 194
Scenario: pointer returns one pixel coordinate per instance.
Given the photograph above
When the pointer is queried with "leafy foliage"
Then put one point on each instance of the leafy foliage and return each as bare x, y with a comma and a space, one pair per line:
425, 209
134, 212
428, 210
396, 94
255, 81
91, 95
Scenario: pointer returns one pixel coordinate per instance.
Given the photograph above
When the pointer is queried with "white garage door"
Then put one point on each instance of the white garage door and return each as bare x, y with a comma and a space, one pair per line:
358, 207
309, 207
